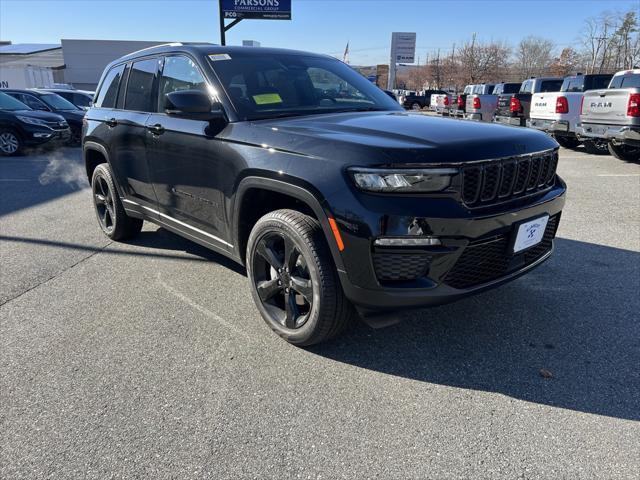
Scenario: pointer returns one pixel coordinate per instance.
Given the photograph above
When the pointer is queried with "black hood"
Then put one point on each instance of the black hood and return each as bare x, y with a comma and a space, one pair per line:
398, 137
72, 116
47, 116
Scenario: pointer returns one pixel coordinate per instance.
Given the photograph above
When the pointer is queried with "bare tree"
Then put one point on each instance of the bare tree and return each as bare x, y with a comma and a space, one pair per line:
566, 63
533, 56
482, 62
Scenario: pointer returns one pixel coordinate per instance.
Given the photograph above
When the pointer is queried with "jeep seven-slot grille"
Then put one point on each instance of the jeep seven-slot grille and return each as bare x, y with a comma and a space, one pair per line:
497, 181
487, 260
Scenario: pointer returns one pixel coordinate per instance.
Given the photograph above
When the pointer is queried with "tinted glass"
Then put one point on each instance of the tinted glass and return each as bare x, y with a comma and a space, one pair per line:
56, 102
527, 87
179, 73
31, 101
109, 89
573, 84
262, 86
142, 77
550, 85
630, 81
81, 100
7, 102
599, 82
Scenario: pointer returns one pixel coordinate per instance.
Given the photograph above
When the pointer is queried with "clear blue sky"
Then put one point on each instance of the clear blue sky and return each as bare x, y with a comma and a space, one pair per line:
322, 26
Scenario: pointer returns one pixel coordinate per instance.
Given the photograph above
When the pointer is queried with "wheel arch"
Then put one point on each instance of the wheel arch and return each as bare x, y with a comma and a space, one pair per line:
94, 154
306, 196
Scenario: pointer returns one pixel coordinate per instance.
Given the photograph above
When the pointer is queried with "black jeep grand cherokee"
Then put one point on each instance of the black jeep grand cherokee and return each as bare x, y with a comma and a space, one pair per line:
332, 196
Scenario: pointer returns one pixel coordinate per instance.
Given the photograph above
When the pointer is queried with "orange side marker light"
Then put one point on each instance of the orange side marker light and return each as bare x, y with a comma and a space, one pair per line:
336, 233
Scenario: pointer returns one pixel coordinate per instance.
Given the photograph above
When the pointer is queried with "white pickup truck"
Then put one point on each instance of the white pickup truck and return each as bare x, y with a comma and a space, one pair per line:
482, 102
558, 113
613, 115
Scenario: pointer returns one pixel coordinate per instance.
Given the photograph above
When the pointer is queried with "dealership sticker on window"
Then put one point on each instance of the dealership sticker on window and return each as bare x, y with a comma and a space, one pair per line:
267, 98
216, 57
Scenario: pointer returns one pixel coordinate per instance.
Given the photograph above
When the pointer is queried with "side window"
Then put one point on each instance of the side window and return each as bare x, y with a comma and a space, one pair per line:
179, 73
109, 89
33, 102
142, 77
81, 100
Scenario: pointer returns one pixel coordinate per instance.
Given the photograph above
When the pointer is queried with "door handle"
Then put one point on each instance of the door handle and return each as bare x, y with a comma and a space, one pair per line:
111, 122
156, 129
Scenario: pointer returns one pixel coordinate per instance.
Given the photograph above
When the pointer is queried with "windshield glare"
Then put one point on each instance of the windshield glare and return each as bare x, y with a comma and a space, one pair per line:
7, 102
271, 86
56, 102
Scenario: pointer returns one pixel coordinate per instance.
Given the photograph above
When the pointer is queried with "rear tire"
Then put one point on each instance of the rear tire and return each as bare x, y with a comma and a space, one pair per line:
294, 282
595, 147
416, 106
624, 152
10, 142
567, 142
113, 220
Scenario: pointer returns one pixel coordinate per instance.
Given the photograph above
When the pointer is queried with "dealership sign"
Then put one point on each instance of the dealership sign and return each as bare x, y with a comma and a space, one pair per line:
403, 47
257, 9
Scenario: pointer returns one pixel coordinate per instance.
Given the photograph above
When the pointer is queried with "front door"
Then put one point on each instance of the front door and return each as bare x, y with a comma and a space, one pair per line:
191, 177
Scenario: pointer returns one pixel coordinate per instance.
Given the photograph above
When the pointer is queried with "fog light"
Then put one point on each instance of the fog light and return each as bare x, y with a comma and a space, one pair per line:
407, 242
42, 135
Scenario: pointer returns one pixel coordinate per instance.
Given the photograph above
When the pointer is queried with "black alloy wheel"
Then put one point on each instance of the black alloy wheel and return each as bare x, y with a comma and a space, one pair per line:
103, 201
112, 218
294, 282
282, 279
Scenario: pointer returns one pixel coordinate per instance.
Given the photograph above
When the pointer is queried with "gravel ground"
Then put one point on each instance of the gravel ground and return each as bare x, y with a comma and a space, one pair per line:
149, 359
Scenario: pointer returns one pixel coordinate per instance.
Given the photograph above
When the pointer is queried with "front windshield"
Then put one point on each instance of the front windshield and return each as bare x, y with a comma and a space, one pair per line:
269, 86
7, 102
56, 102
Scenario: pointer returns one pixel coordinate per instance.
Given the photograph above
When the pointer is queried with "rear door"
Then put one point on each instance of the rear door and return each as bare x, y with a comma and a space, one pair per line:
128, 131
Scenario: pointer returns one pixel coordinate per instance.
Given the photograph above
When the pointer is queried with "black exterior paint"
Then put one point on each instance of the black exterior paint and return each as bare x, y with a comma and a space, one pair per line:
192, 177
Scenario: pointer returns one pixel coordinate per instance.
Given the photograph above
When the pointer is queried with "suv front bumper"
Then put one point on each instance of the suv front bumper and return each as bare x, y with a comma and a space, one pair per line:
628, 135
473, 246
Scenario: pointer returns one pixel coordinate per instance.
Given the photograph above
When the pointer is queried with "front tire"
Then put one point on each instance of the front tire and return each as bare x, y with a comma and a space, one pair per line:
10, 143
567, 142
113, 220
293, 280
624, 152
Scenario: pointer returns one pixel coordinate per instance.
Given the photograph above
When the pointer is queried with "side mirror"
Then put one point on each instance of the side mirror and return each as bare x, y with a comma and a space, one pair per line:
193, 104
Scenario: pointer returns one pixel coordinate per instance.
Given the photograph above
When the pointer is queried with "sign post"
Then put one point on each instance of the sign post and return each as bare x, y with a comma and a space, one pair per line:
238, 10
403, 50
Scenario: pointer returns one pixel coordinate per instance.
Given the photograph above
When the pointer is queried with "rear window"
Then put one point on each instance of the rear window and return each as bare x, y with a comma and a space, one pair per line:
109, 89
572, 84
550, 85
527, 87
142, 78
599, 82
506, 88
626, 81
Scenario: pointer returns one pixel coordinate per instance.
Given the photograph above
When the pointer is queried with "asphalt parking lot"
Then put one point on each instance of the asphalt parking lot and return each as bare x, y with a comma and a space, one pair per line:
149, 359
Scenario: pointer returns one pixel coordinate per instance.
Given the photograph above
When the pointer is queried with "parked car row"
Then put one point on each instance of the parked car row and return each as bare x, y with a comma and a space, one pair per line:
33, 117
600, 111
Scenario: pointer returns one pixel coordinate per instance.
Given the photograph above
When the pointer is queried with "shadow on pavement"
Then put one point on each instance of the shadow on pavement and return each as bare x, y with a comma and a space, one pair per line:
575, 316
39, 177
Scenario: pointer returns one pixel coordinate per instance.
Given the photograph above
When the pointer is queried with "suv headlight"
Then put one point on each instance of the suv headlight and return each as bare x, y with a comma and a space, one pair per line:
402, 180
32, 121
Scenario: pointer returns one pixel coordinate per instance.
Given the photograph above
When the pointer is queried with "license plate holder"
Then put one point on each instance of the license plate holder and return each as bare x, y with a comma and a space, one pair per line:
529, 233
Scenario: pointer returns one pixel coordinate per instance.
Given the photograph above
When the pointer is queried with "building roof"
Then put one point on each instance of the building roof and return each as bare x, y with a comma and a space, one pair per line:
27, 48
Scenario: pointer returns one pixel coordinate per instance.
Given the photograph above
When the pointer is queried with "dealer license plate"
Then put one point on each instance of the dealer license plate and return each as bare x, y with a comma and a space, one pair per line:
530, 233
